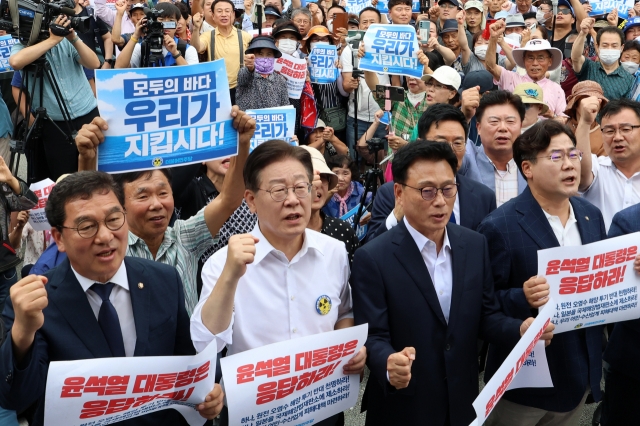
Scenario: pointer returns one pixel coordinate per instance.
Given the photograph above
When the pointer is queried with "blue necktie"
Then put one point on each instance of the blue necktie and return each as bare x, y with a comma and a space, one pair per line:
108, 320
452, 219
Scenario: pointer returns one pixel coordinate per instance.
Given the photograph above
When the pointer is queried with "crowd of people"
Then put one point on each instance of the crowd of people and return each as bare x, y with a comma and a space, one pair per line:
522, 134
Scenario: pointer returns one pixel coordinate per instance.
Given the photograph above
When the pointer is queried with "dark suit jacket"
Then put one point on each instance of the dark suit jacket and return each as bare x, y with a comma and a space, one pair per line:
393, 292
476, 202
515, 232
623, 349
71, 332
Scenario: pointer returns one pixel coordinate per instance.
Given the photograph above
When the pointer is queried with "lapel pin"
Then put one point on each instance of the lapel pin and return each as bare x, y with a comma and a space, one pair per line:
586, 217
140, 286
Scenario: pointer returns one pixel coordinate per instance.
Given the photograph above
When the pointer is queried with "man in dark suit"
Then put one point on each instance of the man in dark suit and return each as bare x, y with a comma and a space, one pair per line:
622, 380
96, 304
425, 289
547, 214
474, 201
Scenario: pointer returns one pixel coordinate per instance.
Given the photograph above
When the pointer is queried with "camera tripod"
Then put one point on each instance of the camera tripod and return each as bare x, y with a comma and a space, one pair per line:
373, 178
151, 52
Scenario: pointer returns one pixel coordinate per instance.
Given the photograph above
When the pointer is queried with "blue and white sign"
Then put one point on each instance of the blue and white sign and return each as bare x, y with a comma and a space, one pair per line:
361, 231
162, 117
391, 49
383, 6
273, 123
322, 68
606, 6
386, 118
6, 42
355, 6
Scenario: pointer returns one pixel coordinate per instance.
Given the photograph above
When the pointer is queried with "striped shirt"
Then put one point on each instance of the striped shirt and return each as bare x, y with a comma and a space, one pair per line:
182, 246
506, 182
616, 85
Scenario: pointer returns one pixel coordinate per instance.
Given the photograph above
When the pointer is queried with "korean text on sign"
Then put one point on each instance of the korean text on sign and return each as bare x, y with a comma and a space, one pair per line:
295, 71
322, 68
273, 123
391, 49
6, 42
37, 215
604, 7
355, 6
383, 6
157, 119
295, 381
592, 284
349, 217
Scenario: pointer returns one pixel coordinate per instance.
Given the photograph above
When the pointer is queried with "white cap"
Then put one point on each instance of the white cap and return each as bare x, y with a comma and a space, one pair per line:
445, 75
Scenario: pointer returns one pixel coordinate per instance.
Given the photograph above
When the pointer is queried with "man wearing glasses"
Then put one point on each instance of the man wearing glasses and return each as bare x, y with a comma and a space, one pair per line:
425, 289
612, 182
547, 214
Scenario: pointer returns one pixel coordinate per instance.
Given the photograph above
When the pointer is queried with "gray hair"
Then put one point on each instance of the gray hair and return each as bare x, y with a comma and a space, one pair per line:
302, 10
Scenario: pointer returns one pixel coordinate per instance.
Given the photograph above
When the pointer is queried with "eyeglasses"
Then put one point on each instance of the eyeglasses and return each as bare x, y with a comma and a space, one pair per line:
539, 58
429, 192
457, 145
89, 228
558, 155
432, 84
279, 192
625, 130
564, 11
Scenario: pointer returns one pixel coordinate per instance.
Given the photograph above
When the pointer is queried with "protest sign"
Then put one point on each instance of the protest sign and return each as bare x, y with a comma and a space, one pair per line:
111, 4
592, 284
386, 118
383, 6
37, 216
512, 365
6, 42
355, 6
160, 118
102, 391
361, 231
391, 49
599, 8
295, 71
273, 123
534, 372
298, 381
322, 68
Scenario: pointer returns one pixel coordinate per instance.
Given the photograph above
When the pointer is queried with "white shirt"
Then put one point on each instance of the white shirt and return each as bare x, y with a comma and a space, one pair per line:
610, 190
567, 235
276, 300
438, 264
514, 9
121, 301
506, 182
190, 55
208, 27
392, 221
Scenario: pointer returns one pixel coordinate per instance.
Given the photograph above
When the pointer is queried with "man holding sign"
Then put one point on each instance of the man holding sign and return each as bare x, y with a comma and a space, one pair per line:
547, 214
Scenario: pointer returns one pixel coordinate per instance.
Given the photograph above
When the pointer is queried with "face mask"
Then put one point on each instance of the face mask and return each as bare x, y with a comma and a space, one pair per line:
609, 56
415, 98
540, 17
264, 65
481, 51
330, 25
287, 46
514, 38
318, 44
631, 67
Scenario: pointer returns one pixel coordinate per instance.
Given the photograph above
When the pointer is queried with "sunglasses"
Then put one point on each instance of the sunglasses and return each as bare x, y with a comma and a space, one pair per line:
564, 11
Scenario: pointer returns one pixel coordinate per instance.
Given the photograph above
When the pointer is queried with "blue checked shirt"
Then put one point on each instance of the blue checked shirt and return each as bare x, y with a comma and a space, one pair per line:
182, 246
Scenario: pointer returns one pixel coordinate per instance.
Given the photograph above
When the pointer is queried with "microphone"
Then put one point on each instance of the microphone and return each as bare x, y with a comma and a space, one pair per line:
555, 7
358, 36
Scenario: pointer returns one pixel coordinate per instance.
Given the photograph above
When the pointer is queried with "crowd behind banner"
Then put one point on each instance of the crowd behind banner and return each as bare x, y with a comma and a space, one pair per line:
317, 166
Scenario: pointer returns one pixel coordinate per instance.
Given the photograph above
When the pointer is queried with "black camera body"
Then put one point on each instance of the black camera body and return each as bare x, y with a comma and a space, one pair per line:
153, 37
375, 144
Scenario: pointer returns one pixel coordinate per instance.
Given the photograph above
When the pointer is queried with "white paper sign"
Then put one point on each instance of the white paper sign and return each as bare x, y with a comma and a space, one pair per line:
107, 390
499, 383
294, 382
535, 370
593, 284
37, 216
295, 71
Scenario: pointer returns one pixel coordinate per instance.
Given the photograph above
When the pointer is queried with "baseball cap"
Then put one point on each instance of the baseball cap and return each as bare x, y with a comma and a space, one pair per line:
567, 4
531, 93
632, 22
501, 15
449, 25
445, 75
453, 2
137, 6
287, 27
317, 30
270, 10
474, 4
482, 78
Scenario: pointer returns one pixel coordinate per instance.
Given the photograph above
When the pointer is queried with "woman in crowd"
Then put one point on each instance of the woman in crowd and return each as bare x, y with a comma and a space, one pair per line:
349, 191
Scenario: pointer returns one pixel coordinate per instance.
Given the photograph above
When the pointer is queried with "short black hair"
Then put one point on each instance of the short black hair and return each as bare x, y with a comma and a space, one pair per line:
499, 97
334, 5
168, 10
80, 185
438, 113
344, 161
271, 152
615, 106
421, 150
612, 30
435, 60
121, 179
216, 2
529, 15
370, 9
536, 139
184, 8
394, 3
631, 45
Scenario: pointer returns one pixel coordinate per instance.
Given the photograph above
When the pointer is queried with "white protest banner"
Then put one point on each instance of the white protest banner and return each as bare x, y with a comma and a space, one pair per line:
355, 6
273, 123
159, 117
6, 42
97, 392
295, 71
361, 231
383, 6
499, 383
298, 381
604, 7
37, 216
391, 49
322, 68
534, 372
265, 31
592, 284
111, 4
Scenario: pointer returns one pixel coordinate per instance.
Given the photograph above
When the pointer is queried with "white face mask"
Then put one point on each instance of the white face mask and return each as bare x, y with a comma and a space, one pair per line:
481, 51
288, 46
540, 17
319, 43
330, 25
514, 38
631, 67
609, 56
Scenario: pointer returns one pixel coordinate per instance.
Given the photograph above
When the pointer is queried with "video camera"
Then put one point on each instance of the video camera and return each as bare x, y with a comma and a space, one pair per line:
29, 20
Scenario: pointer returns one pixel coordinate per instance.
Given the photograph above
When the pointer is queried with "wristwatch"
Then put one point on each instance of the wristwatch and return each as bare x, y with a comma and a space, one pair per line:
176, 56
111, 62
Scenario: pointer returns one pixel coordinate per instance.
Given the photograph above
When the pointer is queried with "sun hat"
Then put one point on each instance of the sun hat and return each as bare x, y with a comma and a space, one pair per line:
582, 90
262, 42
515, 20
531, 93
537, 45
320, 165
317, 30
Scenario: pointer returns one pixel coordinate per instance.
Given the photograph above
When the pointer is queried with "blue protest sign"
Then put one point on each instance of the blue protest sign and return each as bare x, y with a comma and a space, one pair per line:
323, 64
355, 6
606, 6
273, 123
361, 231
6, 42
386, 118
383, 6
164, 116
391, 49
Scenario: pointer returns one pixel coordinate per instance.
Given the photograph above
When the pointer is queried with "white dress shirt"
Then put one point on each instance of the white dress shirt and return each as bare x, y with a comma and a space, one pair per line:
506, 182
567, 235
438, 264
392, 221
121, 301
611, 191
276, 300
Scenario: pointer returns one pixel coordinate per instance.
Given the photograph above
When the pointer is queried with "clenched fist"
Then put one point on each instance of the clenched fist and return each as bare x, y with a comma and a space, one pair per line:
241, 252
399, 367
29, 298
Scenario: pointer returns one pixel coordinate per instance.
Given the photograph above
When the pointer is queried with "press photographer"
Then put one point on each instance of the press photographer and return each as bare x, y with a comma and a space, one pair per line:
159, 46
